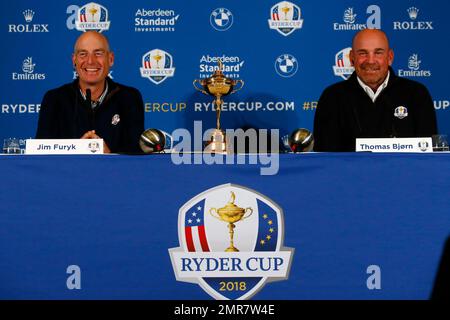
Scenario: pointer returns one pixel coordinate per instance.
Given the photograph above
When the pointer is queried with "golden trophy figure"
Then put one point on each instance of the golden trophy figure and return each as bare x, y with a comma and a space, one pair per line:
285, 10
231, 213
218, 85
157, 57
93, 11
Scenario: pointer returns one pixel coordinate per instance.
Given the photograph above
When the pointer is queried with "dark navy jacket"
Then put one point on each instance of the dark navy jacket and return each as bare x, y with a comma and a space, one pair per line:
345, 112
119, 119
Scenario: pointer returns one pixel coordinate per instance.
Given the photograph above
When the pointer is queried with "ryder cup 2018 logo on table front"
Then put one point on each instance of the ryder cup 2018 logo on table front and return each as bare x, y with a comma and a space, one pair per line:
285, 17
231, 242
157, 66
92, 16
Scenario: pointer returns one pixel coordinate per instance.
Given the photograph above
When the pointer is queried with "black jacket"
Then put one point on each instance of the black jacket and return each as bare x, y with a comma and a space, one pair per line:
119, 119
345, 112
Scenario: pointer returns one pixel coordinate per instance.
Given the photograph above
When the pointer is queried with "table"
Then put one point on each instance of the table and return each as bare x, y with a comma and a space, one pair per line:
116, 216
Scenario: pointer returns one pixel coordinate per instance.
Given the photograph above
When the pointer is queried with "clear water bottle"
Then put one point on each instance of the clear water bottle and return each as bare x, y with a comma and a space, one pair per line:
440, 142
11, 146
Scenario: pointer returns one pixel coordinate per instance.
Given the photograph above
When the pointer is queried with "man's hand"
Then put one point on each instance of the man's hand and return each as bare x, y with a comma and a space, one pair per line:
92, 135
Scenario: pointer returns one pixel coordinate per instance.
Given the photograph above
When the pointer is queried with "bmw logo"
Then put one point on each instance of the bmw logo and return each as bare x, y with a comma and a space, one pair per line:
221, 19
286, 65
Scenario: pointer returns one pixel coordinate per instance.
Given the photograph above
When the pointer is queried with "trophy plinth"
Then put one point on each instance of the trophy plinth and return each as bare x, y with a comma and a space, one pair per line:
231, 214
218, 85
217, 143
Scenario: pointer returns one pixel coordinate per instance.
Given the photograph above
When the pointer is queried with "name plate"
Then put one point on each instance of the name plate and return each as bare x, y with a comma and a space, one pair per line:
64, 146
394, 145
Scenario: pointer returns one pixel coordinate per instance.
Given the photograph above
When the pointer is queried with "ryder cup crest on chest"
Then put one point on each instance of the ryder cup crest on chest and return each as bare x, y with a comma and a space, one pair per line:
115, 119
401, 112
231, 242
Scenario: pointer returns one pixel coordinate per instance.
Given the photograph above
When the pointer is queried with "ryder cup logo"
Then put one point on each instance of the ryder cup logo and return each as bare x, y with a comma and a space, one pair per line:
286, 65
92, 16
221, 19
231, 242
343, 67
423, 146
401, 112
94, 147
157, 66
285, 18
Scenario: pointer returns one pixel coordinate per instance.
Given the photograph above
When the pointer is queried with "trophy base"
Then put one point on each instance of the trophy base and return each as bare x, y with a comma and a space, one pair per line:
231, 249
217, 143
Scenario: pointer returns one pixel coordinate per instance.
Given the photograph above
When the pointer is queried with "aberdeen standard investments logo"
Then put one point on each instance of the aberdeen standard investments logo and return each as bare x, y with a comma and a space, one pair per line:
232, 66
157, 66
92, 16
231, 242
155, 20
285, 17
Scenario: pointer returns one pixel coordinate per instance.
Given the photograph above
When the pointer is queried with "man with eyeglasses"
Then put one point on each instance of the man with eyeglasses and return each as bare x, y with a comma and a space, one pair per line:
93, 106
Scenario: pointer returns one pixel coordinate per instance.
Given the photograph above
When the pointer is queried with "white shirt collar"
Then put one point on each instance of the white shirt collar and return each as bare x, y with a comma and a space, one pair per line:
373, 96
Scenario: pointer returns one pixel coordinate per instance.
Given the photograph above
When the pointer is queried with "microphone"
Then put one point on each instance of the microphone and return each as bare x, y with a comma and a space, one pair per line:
88, 97
393, 131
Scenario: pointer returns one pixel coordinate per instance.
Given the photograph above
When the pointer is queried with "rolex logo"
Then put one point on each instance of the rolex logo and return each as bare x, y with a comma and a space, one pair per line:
413, 12
27, 27
28, 14
413, 23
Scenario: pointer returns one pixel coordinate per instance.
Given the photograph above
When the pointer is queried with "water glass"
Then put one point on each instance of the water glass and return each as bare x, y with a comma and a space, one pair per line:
440, 142
11, 146
285, 141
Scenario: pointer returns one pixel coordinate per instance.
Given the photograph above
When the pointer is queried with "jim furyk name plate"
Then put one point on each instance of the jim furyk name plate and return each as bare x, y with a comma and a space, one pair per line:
64, 146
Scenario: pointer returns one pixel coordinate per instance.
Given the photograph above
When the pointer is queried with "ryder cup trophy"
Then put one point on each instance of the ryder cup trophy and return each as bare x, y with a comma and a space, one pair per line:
231, 214
218, 85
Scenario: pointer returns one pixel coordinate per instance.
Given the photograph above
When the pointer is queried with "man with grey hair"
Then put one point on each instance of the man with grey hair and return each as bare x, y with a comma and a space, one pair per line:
93, 105
373, 102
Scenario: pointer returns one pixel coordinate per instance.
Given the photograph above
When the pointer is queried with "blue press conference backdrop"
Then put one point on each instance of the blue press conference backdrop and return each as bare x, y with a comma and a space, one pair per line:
286, 52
